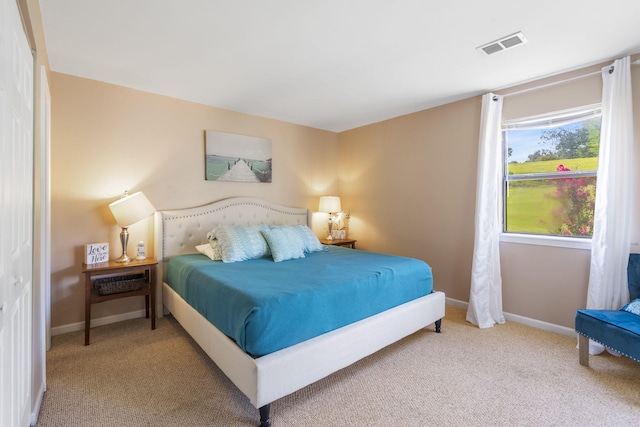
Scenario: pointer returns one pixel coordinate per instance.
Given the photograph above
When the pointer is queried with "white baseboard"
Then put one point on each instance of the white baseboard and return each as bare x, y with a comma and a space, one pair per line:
545, 326
79, 326
456, 303
35, 411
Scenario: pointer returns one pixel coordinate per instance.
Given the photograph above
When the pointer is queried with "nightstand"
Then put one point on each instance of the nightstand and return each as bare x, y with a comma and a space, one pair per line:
340, 242
112, 280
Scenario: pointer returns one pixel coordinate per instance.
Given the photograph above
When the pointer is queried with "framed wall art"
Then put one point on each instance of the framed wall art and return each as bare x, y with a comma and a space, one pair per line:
237, 158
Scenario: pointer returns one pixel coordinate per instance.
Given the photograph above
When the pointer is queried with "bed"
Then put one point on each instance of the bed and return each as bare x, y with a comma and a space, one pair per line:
264, 378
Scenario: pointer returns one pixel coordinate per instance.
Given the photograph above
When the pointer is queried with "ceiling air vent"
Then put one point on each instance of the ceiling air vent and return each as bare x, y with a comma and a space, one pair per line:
504, 43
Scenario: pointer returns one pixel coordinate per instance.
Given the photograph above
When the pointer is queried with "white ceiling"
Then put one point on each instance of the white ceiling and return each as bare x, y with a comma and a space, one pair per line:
330, 64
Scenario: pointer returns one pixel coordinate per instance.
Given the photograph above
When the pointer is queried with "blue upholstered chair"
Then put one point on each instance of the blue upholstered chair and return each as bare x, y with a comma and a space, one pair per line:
618, 330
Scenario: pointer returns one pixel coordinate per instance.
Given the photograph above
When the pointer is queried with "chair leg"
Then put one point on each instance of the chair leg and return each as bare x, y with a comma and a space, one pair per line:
583, 344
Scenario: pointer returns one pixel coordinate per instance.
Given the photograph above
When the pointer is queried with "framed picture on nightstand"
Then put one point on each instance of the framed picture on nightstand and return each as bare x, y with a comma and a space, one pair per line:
95, 253
339, 234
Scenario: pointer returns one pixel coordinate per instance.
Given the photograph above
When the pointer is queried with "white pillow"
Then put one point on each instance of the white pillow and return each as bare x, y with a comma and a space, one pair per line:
283, 244
209, 251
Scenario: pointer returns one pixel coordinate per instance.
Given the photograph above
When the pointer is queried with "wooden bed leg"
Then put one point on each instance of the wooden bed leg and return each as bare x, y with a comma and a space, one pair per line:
583, 351
438, 325
265, 421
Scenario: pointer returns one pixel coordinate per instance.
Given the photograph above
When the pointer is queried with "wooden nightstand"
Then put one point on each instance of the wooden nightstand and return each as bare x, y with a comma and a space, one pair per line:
113, 276
340, 242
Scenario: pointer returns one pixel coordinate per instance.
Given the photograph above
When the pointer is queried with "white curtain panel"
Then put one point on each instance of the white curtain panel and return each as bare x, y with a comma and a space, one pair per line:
485, 299
608, 283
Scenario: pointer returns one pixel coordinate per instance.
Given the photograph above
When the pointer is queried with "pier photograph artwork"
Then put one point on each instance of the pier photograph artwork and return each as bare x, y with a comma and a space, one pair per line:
238, 158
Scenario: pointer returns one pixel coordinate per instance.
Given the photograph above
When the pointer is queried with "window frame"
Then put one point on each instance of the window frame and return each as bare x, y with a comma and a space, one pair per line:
549, 120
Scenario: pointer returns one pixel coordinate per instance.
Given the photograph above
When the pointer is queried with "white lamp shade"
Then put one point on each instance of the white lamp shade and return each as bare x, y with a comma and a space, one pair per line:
131, 209
329, 204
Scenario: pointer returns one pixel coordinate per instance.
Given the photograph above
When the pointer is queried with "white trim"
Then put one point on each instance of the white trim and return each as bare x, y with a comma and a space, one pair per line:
544, 240
554, 118
545, 326
41, 296
457, 303
539, 324
37, 404
45, 202
79, 326
551, 327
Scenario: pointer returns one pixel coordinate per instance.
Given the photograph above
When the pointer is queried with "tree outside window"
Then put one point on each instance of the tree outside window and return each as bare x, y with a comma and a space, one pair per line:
551, 165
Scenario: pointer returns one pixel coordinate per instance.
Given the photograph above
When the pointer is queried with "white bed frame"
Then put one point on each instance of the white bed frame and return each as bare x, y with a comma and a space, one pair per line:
268, 378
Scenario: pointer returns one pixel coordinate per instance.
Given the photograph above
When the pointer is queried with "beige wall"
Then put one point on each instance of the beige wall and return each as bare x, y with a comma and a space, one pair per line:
107, 139
410, 183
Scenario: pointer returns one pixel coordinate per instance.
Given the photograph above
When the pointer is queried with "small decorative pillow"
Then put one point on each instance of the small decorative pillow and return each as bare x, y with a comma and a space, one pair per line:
213, 241
309, 240
633, 307
240, 243
283, 245
208, 250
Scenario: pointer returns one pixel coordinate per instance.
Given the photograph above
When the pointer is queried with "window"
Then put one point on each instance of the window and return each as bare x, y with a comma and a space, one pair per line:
550, 173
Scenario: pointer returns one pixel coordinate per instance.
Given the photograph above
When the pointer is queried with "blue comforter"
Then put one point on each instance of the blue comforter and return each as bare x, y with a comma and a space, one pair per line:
266, 306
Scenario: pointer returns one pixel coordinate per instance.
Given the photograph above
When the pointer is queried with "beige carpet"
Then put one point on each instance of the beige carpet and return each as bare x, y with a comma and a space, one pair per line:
508, 375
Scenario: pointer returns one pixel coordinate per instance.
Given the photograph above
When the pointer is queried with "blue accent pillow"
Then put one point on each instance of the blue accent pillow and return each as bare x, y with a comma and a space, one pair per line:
633, 274
240, 243
310, 242
283, 244
633, 307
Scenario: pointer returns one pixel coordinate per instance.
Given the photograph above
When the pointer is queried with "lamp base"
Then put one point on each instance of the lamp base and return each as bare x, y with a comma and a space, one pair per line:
330, 236
123, 258
124, 239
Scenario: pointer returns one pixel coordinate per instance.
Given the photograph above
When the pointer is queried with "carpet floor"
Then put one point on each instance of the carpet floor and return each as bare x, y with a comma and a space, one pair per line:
508, 375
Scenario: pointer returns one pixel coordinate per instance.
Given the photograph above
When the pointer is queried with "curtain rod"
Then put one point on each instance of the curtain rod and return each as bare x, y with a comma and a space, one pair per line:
570, 79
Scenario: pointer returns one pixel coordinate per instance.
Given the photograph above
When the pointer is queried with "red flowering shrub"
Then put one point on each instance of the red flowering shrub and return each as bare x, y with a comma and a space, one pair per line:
577, 202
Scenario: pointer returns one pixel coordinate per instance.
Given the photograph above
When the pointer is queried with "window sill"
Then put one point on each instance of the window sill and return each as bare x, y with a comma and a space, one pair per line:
556, 241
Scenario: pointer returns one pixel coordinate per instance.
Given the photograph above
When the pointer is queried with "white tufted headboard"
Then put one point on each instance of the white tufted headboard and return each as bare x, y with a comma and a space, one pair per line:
179, 231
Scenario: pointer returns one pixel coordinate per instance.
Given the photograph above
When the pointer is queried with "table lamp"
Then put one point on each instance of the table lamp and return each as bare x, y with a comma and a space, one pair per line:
330, 205
127, 211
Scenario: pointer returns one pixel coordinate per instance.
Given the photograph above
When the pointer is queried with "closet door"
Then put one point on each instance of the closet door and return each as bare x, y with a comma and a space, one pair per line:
16, 217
